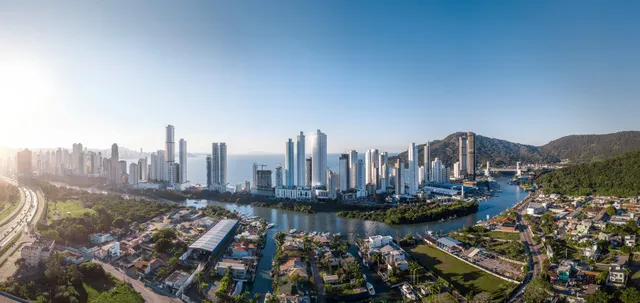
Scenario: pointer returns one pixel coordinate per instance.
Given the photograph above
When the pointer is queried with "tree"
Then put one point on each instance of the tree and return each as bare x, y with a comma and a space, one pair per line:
611, 211
537, 291
482, 297
630, 295
602, 277
279, 237
599, 297
173, 261
162, 272
119, 222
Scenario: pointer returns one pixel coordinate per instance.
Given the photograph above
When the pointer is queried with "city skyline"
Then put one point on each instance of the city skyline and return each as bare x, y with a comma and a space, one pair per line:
83, 74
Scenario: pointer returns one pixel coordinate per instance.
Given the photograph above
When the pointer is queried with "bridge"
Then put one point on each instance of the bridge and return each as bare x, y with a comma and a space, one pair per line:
517, 170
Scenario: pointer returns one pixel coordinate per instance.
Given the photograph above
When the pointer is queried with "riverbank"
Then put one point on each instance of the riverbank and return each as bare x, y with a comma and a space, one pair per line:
414, 213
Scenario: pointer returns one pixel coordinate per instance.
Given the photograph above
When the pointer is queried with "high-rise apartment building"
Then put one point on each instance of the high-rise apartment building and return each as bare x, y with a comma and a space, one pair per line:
353, 169
471, 155
309, 169
413, 169
183, 161
24, 165
143, 169
319, 155
427, 162
170, 147
208, 160
462, 154
133, 174
399, 178
456, 170
288, 164
279, 175
343, 171
219, 165
360, 176
264, 179
115, 176
436, 169
300, 160
384, 176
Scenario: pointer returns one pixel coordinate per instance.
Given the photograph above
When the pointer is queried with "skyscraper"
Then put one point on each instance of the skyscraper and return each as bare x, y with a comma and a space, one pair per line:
427, 162
413, 169
219, 166
367, 166
399, 178
142, 167
171, 154
360, 177
153, 175
462, 154
114, 172
279, 174
319, 168
133, 174
300, 160
471, 155
183, 161
223, 164
384, 176
215, 164
343, 171
436, 170
161, 165
23, 159
353, 169
288, 164
208, 159
309, 169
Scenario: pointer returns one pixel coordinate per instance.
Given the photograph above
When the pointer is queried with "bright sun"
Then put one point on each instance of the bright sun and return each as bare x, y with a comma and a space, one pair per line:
26, 94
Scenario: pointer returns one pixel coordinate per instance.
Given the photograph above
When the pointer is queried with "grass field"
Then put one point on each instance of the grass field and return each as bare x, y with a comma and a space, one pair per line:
464, 277
71, 208
503, 235
110, 290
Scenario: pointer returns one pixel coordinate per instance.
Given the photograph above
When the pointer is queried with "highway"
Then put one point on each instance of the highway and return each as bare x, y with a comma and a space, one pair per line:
26, 213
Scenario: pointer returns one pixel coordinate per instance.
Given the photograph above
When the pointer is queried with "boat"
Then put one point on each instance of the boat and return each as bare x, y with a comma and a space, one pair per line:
270, 225
293, 231
371, 290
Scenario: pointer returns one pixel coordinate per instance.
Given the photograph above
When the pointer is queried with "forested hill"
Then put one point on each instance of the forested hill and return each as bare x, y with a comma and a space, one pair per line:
619, 176
498, 152
588, 148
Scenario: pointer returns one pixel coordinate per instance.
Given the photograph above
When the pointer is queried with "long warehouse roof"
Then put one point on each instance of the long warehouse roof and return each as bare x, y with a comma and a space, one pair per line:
212, 238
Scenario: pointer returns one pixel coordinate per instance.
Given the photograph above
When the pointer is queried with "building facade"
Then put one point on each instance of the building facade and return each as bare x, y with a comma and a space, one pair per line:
319, 155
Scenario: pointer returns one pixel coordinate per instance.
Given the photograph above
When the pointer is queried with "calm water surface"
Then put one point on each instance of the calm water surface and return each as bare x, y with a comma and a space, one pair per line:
286, 220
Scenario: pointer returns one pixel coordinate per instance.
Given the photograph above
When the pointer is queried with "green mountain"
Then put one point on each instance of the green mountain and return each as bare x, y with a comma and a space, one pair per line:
588, 148
619, 176
498, 152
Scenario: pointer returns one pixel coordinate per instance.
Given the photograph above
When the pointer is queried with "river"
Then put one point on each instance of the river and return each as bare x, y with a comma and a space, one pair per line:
286, 220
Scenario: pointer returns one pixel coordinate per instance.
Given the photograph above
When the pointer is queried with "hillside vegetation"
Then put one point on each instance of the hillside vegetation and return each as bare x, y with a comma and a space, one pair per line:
619, 176
588, 148
575, 148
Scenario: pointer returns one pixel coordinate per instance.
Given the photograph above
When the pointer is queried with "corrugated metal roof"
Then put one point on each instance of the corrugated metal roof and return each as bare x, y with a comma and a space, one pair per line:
212, 238
449, 242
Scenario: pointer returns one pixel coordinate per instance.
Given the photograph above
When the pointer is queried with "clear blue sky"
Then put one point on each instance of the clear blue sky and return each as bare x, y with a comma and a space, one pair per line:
370, 74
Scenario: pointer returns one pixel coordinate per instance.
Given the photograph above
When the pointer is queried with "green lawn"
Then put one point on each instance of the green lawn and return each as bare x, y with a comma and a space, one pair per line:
464, 277
71, 208
110, 290
503, 235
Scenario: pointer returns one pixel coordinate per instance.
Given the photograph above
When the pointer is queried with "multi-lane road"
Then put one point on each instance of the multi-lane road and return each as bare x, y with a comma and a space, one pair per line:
20, 223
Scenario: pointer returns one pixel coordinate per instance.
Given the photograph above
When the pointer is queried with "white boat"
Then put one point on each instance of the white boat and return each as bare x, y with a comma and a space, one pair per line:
371, 290
270, 225
293, 231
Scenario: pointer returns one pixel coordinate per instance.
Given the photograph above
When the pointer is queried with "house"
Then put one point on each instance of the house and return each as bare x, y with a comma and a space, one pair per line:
592, 252
239, 270
321, 239
72, 257
331, 279
583, 228
37, 252
564, 270
604, 237
332, 258
176, 279
243, 249
622, 220
99, 238
617, 277
153, 266
630, 240
378, 241
536, 209
449, 244
508, 226
294, 267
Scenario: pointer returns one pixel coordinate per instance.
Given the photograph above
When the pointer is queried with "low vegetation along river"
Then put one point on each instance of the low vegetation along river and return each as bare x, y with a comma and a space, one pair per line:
287, 220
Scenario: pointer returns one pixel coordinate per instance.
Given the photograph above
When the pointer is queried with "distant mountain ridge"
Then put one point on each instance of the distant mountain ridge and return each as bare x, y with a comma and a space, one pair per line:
575, 148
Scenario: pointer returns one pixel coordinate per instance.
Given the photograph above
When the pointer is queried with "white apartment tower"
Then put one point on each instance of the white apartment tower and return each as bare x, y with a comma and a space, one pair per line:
170, 147
413, 169
183, 161
300, 160
319, 156
353, 169
427, 162
288, 165
219, 165
142, 167
279, 176
360, 175
133, 174
114, 171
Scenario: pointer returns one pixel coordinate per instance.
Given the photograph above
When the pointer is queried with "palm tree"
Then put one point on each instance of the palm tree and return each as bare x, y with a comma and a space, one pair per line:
377, 257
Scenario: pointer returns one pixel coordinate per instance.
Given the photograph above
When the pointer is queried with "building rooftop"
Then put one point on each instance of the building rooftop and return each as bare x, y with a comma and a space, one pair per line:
212, 238
449, 242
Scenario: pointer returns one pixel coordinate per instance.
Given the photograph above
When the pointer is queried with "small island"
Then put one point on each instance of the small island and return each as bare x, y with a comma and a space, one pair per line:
414, 212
